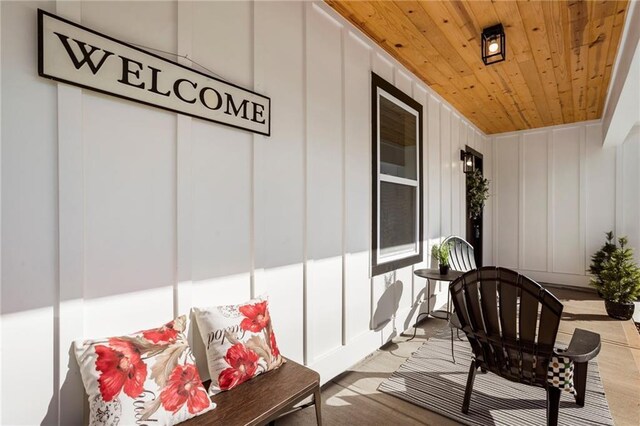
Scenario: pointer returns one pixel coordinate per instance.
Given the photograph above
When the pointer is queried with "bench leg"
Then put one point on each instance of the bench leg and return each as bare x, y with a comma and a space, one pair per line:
317, 400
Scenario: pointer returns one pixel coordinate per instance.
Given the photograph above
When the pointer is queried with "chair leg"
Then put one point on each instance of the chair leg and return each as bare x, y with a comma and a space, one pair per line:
580, 381
317, 400
553, 405
452, 354
469, 388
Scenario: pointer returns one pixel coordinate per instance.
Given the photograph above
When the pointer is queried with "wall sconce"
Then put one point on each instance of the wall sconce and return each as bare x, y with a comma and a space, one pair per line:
494, 48
468, 165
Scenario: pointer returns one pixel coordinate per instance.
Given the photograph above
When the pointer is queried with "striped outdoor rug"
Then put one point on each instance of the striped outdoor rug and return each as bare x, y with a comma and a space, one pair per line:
431, 380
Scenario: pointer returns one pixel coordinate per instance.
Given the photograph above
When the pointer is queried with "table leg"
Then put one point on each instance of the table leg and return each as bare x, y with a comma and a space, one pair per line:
415, 325
428, 297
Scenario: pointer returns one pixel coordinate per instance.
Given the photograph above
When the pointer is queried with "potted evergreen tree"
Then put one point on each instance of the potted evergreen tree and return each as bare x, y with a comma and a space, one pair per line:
620, 281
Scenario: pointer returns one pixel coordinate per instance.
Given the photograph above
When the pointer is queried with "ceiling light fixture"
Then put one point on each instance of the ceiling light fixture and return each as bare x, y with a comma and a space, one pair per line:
494, 48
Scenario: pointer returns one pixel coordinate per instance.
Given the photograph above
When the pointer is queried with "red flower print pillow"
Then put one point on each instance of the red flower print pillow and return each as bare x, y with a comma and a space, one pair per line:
240, 342
148, 377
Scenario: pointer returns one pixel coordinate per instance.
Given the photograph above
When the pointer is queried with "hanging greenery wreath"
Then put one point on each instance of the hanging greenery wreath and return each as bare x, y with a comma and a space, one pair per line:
477, 193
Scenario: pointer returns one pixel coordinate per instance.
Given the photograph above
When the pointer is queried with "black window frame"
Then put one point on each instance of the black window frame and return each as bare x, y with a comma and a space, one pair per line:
378, 268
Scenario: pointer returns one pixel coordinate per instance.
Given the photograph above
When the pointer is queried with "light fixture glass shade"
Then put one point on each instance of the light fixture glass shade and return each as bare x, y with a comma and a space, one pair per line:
468, 165
493, 45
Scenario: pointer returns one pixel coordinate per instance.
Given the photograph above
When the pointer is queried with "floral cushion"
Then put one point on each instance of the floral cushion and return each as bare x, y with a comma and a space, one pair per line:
239, 341
148, 377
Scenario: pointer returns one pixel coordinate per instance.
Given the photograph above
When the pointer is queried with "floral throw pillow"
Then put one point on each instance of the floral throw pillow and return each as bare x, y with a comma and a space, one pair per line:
148, 377
239, 341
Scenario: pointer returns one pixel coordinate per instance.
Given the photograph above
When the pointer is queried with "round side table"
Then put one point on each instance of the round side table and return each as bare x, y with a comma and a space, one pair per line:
434, 274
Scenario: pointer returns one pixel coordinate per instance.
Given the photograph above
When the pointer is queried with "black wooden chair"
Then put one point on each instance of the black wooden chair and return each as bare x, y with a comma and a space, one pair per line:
461, 259
511, 323
461, 255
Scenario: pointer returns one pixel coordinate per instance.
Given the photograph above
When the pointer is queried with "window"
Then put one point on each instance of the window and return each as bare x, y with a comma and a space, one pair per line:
397, 175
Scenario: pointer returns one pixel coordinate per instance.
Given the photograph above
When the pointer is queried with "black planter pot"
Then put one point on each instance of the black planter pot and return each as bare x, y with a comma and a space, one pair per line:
621, 311
444, 270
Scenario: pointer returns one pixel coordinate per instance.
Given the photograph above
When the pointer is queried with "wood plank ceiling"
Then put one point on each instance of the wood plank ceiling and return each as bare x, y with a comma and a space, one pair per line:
560, 55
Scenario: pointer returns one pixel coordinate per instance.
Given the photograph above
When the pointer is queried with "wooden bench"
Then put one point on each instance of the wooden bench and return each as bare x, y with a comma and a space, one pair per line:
264, 398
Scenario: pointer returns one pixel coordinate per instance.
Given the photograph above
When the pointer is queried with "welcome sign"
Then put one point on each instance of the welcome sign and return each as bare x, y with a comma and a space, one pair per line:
73, 54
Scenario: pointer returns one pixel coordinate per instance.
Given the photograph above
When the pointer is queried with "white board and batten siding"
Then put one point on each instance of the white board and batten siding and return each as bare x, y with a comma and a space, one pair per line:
555, 200
117, 216
628, 189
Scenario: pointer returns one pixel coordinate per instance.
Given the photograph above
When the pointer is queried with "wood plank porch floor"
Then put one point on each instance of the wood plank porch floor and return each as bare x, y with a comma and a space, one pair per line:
353, 398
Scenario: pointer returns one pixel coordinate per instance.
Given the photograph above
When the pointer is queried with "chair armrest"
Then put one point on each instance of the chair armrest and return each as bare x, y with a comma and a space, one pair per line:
584, 346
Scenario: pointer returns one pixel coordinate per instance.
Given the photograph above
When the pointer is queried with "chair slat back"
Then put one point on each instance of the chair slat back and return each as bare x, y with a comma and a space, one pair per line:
509, 303
461, 257
510, 321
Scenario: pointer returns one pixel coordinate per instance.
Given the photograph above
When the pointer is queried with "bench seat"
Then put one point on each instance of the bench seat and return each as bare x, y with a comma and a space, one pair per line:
264, 398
